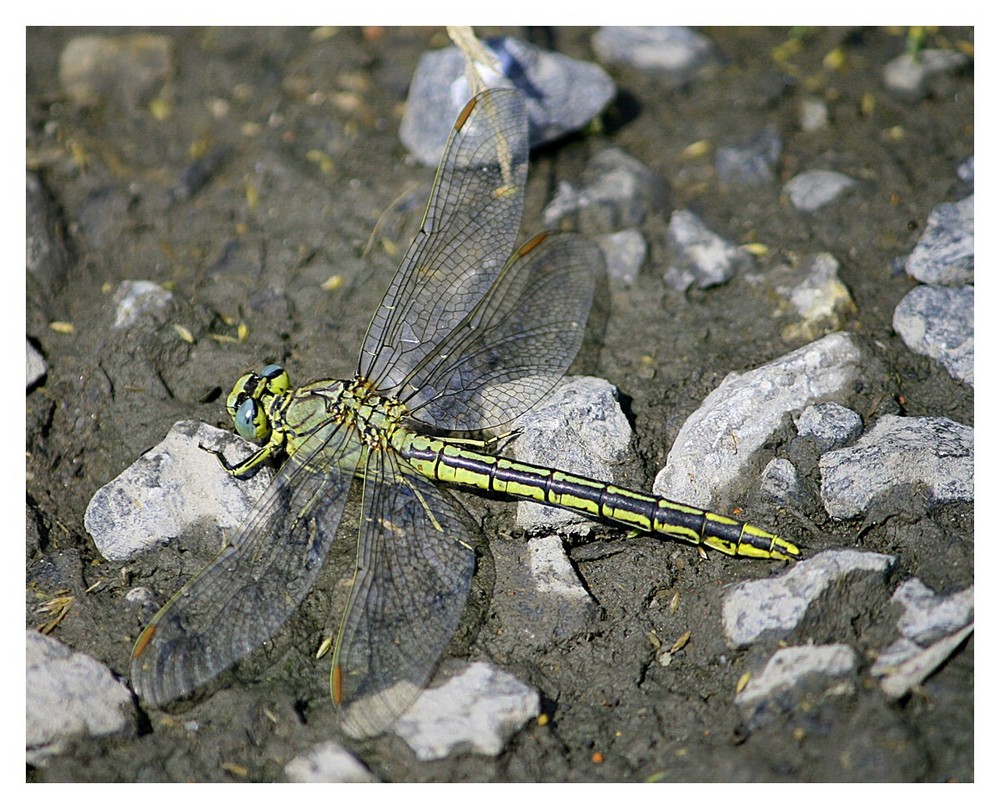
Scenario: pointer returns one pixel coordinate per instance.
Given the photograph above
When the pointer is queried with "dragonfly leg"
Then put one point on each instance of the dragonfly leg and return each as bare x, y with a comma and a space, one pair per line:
248, 467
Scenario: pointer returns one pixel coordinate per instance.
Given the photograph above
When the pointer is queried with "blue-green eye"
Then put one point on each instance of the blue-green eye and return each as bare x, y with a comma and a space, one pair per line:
277, 379
248, 420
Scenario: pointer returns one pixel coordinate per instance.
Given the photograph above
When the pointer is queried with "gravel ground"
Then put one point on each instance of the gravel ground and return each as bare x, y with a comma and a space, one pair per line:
239, 170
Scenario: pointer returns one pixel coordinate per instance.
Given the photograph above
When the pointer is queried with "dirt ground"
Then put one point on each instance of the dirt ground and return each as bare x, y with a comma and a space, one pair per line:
261, 171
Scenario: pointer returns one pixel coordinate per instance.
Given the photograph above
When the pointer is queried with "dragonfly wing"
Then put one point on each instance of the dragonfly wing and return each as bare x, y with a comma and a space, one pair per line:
249, 590
468, 231
415, 567
513, 347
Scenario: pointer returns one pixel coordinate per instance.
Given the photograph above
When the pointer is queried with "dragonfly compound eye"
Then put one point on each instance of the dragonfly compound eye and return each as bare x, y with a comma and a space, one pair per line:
276, 379
251, 421
245, 387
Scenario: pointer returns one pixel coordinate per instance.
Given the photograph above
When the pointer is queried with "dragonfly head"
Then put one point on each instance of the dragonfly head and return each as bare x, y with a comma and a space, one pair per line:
249, 399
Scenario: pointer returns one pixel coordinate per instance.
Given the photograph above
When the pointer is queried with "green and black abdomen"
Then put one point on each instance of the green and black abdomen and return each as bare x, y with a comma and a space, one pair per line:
455, 464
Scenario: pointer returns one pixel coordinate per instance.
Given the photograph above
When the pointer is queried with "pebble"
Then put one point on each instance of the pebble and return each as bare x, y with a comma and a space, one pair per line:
829, 425
814, 289
906, 664
827, 668
811, 190
550, 568
140, 301
46, 256
966, 170
676, 53
70, 696
928, 617
129, 69
35, 365
813, 115
699, 257
328, 763
911, 76
770, 609
475, 711
616, 191
780, 481
174, 489
945, 254
752, 161
624, 255
931, 456
538, 596
704, 464
938, 322
562, 94
579, 428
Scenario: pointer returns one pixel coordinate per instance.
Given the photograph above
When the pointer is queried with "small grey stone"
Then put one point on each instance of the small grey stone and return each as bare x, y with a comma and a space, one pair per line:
126, 70
138, 301
811, 190
475, 711
705, 463
966, 170
896, 654
35, 365
538, 596
46, 255
905, 664
616, 191
815, 291
550, 568
327, 763
780, 481
928, 617
175, 488
698, 256
70, 696
562, 94
813, 115
938, 322
794, 669
750, 162
772, 608
624, 255
932, 456
672, 51
829, 425
945, 254
909, 75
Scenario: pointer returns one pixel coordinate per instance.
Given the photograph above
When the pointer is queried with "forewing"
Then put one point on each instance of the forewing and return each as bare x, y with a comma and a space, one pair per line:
415, 566
513, 347
468, 231
249, 590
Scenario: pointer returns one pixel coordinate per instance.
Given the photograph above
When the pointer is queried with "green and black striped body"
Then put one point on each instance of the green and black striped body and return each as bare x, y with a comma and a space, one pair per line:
458, 465
291, 416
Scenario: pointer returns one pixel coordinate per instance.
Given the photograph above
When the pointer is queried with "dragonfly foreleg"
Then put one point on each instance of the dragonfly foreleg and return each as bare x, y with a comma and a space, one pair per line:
246, 468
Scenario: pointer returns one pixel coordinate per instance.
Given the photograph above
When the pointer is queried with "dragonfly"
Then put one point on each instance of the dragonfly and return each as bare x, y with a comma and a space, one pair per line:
472, 332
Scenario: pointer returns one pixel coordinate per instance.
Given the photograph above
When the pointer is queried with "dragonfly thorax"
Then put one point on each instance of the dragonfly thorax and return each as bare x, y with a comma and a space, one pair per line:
264, 407
376, 417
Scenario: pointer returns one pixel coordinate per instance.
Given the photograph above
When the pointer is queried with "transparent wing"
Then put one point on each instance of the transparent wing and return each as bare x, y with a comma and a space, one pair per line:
248, 591
469, 230
415, 566
513, 347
